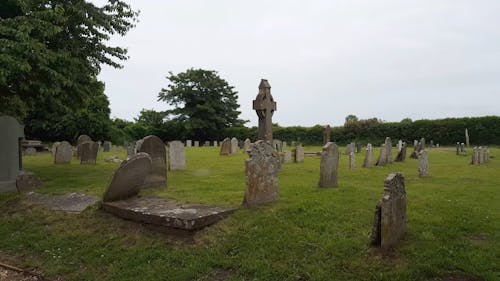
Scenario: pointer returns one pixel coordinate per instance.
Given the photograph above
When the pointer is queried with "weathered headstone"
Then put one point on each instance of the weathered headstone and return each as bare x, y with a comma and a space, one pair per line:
350, 148
63, 153
462, 147
106, 147
358, 148
196, 143
400, 145
53, 149
277, 145
388, 150
265, 106
131, 150
81, 139
287, 157
390, 213
467, 138
234, 146
88, 152
225, 147
215, 143
475, 156
329, 165
283, 146
189, 143
367, 163
458, 148
30, 151
431, 144
155, 147
326, 134
261, 171
176, 156
382, 158
27, 181
298, 154
246, 145
206, 144
481, 155
352, 161
72, 202
401, 157
423, 164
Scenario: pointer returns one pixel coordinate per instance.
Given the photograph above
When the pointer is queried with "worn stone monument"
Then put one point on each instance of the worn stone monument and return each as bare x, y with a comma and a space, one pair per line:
234, 146
225, 147
11, 165
388, 150
329, 165
81, 139
246, 145
298, 154
265, 106
367, 163
176, 156
88, 152
401, 157
390, 213
467, 137
352, 161
189, 143
155, 147
326, 134
382, 158
106, 147
287, 157
53, 149
261, 171
423, 164
458, 148
196, 143
63, 153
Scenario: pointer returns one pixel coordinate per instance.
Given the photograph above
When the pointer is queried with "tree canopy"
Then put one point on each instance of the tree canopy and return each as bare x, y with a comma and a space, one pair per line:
203, 102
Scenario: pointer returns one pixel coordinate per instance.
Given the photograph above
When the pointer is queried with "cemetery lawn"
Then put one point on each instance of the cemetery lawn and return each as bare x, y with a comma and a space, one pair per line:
310, 234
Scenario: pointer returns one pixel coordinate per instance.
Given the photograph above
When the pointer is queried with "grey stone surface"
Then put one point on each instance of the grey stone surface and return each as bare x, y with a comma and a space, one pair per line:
234, 146
298, 154
458, 148
400, 145
326, 134
352, 161
72, 202
475, 156
155, 147
368, 162
265, 106
329, 165
277, 145
53, 149
246, 145
261, 170
287, 157
467, 137
30, 151
423, 164
206, 144
389, 225
216, 143
112, 159
189, 143
81, 139
129, 178
27, 181
12, 133
401, 157
225, 147
131, 150
176, 156
88, 152
63, 153
196, 143
106, 147
382, 158
283, 147
388, 150
167, 213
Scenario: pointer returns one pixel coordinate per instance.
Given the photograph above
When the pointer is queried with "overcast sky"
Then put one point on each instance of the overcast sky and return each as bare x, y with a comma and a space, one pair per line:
422, 59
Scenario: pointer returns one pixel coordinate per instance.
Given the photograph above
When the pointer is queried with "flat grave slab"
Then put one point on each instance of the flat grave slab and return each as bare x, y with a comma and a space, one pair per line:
167, 213
72, 202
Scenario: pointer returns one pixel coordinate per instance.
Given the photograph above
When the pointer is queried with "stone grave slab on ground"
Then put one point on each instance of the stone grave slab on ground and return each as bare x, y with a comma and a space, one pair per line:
155, 147
329, 165
176, 156
72, 202
12, 133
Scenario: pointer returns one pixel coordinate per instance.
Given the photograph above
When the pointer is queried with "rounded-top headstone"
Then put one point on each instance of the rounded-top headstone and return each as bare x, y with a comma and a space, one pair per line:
127, 181
83, 138
155, 147
63, 152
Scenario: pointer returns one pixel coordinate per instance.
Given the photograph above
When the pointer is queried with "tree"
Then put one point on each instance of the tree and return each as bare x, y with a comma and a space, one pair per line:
52, 50
350, 119
205, 104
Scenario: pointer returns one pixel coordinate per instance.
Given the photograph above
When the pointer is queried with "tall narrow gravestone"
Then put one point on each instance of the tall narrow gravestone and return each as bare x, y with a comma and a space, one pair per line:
261, 171
329, 165
298, 154
367, 163
326, 134
234, 146
467, 137
390, 213
388, 150
106, 147
382, 158
88, 152
401, 157
155, 147
352, 161
176, 156
63, 153
423, 164
265, 106
10, 150
246, 145
225, 147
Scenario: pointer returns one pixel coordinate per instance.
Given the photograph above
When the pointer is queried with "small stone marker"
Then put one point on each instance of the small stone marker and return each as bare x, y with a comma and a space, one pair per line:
155, 147
382, 158
234, 146
27, 181
72, 202
189, 143
206, 144
287, 157
225, 147
277, 145
215, 143
265, 106
458, 148
129, 178
326, 134
423, 164
401, 157
261, 171
352, 161
176, 156
329, 165
283, 146
63, 153
390, 213
30, 151
367, 163
298, 154
196, 144
88, 152
106, 147
246, 145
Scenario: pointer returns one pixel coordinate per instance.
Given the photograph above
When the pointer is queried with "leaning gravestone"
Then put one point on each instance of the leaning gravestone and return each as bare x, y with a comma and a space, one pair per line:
155, 147
88, 152
246, 145
367, 163
401, 157
106, 147
225, 147
261, 171
176, 156
63, 153
234, 146
423, 164
10, 150
382, 158
329, 165
390, 213
298, 154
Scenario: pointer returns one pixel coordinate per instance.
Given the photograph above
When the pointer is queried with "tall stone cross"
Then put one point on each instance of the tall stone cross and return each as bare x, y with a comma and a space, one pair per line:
265, 106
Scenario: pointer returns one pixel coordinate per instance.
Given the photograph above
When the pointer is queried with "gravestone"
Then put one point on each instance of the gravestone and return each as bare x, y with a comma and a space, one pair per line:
283, 146
63, 153
298, 154
27, 181
382, 158
30, 151
358, 148
11, 163
88, 152
388, 150
431, 144
155, 147
246, 145
475, 156
265, 106
458, 148
367, 163
215, 143
467, 137
53, 149
350, 148
225, 147
481, 155
189, 143
390, 213
400, 145
423, 164
81, 139
196, 144
129, 178
176, 156
106, 147
71, 203
401, 157
329, 165
462, 147
422, 144
287, 157
352, 161
415, 144
261, 171
206, 144
131, 150
277, 145
234, 146
326, 134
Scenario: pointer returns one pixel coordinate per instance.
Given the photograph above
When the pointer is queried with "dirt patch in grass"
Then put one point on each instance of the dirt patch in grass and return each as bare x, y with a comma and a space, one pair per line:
479, 239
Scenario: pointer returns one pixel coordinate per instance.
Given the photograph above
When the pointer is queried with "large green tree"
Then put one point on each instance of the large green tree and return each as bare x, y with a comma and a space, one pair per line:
53, 50
204, 103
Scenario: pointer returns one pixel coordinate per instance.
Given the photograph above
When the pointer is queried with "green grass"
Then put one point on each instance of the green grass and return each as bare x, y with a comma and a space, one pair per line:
310, 234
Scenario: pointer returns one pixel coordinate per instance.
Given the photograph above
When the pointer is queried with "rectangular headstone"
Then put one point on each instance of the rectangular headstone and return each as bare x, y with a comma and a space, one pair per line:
176, 156
12, 134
